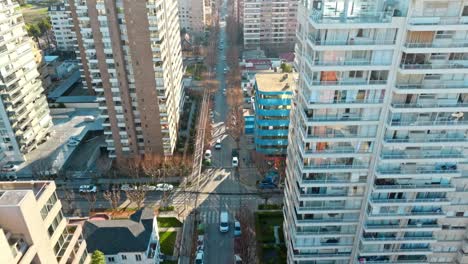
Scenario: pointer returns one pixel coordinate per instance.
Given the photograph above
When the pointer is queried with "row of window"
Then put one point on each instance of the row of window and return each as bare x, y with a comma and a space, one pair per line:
124, 257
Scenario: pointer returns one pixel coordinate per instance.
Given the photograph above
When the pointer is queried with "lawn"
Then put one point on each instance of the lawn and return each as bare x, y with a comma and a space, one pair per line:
167, 241
33, 14
268, 251
168, 222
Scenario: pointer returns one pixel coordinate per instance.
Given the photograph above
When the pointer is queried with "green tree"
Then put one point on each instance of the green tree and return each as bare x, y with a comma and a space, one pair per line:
45, 27
34, 31
98, 258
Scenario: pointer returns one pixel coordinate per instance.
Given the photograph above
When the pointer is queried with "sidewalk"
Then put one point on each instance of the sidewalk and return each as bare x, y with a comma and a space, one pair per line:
186, 242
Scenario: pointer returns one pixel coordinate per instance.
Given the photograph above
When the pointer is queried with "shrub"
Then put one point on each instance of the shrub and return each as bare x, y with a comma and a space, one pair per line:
269, 206
166, 208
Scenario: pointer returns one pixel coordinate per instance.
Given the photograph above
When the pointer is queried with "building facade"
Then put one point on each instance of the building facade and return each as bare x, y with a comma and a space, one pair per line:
377, 144
273, 92
33, 228
193, 15
269, 24
24, 113
62, 26
131, 56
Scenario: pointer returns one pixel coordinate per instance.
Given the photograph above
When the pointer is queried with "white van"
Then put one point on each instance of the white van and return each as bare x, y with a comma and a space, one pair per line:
223, 222
235, 162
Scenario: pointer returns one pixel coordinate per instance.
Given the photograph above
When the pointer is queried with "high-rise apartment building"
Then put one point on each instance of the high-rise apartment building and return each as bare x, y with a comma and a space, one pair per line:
33, 228
377, 147
193, 16
62, 26
131, 56
24, 113
269, 24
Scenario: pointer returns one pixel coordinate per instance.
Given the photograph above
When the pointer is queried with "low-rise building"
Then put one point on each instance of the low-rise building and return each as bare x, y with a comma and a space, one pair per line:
134, 240
33, 228
273, 93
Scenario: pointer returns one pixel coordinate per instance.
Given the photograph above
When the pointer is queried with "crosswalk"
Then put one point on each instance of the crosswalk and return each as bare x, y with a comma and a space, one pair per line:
212, 216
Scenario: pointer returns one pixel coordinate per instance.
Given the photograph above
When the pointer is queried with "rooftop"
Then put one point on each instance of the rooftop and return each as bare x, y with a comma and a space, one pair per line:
13, 192
275, 82
116, 236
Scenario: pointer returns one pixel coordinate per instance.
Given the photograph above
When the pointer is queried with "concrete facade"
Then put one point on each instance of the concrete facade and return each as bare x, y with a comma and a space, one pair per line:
33, 228
269, 24
132, 58
62, 26
376, 168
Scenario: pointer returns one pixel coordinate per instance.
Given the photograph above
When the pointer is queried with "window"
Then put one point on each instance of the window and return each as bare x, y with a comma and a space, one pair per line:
465, 11
459, 214
124, 257
138, 257
110, 259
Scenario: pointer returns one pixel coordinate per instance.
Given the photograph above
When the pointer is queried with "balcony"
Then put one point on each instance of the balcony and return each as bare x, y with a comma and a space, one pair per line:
346, 118
348, 63
357, 43
433, 106
429, 140
335, 152
421, 155
428, 171
397, 240
327, 209
396, 252
343, 135
441, 87
336, 167
414, 188
434, 23
398, 228
329, 18
433, 68
442, 123
351, 103
330, 183
410, 202
408, 215
433, 47
348, 83
325, 221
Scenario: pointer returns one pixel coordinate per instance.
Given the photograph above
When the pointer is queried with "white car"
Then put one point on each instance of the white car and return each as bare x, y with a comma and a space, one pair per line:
9, 168
164, 187
218, 144
199, 257
127, 187
148, 187
235, 162
208, 154
88, 188
237, 228
224, 91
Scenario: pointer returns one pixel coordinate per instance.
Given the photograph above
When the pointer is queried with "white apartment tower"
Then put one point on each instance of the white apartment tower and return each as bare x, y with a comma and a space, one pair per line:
62, 26
24, 113
377, 148
131, 56
33, 228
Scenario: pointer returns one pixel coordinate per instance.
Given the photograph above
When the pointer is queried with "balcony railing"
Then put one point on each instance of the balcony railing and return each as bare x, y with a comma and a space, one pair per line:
349, 82
418, 171
317, 41
429, 105
337, 166
413, 186
342, 18
388, 226
434, 20
326, 208
454, 44
444, 85
397, 238
430, 66
355, 101
348, 62
428, 122
439, 213
422, 200
305, 181
426, 139
421, 155
343, 118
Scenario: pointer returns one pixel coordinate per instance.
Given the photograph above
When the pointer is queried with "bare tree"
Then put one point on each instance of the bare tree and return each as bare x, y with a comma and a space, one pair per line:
137, 196
235, 117
91, 198
152, 165
113, 196
266, 195
246, 244
261, 163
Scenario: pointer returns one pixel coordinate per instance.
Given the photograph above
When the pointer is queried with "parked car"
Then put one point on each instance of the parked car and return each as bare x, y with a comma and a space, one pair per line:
237, 228
148, 187
224, 222
164, 187
218, 144
88, 188
127, 187
200, 242
199, 257
235, 162
207, 154
9, 167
